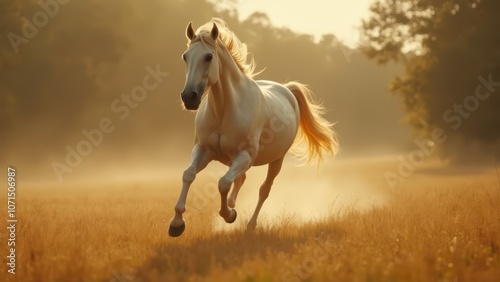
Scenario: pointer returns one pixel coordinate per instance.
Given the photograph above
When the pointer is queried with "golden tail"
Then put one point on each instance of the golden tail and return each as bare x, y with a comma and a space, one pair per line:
316, 136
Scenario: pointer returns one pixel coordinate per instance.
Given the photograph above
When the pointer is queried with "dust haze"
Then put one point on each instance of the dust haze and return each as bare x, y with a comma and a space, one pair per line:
68, 90
78, 68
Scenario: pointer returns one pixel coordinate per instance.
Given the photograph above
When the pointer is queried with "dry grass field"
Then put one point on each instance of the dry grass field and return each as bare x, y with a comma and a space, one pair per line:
439, 225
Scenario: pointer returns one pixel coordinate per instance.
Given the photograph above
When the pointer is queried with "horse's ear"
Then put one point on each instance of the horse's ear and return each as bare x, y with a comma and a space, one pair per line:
215, 32
190, 31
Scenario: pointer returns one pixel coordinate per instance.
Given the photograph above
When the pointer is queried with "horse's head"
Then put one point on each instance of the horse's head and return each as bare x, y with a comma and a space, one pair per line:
202, 67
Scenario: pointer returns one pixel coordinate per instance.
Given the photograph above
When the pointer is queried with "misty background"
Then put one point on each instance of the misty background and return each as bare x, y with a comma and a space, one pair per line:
65, 78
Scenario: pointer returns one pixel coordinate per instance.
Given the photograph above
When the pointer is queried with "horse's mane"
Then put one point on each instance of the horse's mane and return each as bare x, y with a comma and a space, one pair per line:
228, 39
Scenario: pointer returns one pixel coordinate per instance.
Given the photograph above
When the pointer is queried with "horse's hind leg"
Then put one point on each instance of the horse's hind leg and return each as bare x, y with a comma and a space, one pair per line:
272, 172
231, 201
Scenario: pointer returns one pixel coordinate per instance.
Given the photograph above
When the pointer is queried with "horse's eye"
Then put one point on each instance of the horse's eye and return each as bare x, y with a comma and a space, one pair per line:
209, 57
184, 57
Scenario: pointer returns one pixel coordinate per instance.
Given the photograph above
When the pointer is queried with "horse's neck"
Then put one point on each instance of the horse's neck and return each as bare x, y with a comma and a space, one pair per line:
225, 96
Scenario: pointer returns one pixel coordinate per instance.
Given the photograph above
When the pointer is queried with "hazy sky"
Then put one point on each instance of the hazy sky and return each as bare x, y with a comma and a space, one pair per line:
316, 17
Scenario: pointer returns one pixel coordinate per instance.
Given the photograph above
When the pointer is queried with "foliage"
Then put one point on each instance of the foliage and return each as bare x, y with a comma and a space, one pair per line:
446, 46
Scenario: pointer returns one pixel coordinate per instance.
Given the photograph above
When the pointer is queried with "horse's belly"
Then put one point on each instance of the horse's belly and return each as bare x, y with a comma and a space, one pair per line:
281, 129
274, 144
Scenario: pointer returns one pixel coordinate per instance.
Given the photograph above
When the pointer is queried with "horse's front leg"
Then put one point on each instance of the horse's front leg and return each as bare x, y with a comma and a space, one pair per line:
200, 158
240, 165
238, 182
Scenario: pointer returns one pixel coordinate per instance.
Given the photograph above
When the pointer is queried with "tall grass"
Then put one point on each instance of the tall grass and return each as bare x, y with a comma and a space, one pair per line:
437, 234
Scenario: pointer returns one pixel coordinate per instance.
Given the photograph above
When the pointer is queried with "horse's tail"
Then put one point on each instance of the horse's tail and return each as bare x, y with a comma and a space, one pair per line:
316, 136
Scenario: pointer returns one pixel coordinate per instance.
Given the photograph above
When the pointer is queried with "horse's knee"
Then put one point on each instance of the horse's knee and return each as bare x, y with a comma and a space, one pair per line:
189, 175
224, 185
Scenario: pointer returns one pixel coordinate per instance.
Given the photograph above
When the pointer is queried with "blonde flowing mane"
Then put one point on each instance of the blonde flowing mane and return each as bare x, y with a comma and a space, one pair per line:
227, 39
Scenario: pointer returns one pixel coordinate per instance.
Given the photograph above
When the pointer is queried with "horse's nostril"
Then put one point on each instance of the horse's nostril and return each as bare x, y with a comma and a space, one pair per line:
194, 95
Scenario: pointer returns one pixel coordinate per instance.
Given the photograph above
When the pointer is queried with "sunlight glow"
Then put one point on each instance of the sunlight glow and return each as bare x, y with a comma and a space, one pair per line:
341, 18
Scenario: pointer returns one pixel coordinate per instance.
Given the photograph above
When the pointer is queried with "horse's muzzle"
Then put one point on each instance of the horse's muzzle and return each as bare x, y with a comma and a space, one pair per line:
191, 100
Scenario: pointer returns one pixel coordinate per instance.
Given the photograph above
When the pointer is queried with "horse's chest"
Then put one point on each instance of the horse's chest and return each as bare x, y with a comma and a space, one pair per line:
226, 143
222, 144
231, 135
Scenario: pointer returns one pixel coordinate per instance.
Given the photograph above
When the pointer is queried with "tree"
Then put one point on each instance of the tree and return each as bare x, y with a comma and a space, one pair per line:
50, 66
450, 52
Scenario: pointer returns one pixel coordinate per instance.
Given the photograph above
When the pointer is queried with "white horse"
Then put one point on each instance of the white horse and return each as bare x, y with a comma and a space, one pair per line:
242, 122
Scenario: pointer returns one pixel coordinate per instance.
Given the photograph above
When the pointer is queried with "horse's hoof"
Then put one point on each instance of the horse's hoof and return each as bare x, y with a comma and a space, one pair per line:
235, 216
176, 231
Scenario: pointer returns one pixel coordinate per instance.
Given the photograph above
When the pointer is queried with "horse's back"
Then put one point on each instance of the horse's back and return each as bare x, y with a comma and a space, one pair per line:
278, 95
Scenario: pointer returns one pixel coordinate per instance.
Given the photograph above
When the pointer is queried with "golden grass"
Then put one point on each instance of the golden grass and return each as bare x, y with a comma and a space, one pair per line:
119, 233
